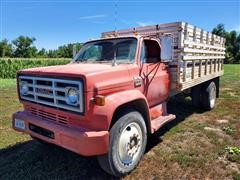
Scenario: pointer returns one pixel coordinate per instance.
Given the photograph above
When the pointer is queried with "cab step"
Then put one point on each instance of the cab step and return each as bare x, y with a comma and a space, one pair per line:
160, 121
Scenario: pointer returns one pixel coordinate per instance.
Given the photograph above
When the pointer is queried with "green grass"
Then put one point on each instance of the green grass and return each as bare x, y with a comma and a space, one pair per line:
230, 82
7, 83
236, 176
182, 149
228, 130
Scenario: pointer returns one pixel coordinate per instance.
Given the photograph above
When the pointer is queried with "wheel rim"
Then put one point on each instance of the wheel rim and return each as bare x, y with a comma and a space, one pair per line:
212, 97
130, 144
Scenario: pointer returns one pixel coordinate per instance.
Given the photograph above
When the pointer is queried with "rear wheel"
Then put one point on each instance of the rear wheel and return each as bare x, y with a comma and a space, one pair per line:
209, 94
128, 139
196, 95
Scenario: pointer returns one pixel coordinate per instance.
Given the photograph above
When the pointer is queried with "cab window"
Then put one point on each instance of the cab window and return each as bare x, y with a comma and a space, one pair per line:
150, 52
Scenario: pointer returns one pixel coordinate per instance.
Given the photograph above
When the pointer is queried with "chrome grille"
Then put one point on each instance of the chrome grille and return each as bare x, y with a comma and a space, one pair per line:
52, 92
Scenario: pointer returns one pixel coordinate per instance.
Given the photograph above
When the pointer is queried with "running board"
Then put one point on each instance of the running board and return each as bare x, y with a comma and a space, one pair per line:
160, 121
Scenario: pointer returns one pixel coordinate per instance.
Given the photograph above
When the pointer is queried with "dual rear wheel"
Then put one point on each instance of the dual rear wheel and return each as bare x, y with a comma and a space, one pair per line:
205, 95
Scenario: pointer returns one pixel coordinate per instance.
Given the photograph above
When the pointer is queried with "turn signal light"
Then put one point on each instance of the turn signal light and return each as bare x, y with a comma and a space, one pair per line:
99, 100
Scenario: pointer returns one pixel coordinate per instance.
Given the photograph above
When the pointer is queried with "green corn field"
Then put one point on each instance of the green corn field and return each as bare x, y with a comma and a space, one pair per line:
9, 66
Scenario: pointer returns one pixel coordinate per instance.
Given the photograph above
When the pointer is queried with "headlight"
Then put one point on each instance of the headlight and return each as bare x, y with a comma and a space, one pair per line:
23, 88
72, 96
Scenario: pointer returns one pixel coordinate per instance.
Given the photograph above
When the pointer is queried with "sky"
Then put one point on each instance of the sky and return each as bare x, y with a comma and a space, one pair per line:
57, 22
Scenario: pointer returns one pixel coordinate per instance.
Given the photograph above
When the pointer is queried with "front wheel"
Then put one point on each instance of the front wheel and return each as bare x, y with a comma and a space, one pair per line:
128, 139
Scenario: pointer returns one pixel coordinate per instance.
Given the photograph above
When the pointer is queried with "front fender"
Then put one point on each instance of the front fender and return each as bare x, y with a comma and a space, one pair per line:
113, 101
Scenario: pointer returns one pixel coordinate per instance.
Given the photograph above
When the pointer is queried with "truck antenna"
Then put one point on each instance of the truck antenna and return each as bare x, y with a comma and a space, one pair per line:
115, 14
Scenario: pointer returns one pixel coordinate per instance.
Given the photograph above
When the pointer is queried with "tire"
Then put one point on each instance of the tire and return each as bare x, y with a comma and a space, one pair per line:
217, 81
128, 139
196, 96
208, 96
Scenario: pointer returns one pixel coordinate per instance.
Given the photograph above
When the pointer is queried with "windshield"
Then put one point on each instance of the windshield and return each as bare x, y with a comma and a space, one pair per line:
119, 50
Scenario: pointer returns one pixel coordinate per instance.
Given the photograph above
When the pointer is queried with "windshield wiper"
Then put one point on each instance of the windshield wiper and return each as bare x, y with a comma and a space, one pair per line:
77, 60
81, 60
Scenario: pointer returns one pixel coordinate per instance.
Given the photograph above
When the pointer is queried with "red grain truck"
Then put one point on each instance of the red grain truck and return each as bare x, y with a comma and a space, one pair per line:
114, 93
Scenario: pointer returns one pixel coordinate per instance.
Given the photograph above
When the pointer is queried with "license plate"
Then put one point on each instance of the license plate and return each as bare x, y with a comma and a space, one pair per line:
19, 124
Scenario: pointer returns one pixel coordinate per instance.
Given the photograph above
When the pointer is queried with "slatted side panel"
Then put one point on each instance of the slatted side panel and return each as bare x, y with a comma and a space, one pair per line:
202, 56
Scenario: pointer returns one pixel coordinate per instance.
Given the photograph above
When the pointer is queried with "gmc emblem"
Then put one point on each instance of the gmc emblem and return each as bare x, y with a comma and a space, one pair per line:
43, 91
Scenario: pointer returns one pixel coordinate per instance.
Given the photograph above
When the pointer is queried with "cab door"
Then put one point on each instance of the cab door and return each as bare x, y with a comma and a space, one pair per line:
154, 73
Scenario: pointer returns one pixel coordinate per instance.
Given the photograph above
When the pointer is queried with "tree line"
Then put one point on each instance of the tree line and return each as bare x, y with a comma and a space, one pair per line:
232, 44
23, 47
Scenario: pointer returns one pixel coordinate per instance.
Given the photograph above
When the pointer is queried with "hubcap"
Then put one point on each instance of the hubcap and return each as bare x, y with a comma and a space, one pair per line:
212, 97
130, 143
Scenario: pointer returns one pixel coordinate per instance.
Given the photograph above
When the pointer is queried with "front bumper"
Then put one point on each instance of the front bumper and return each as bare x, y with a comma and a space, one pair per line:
81, 141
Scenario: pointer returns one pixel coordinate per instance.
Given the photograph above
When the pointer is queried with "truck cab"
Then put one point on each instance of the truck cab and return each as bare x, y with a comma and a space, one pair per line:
141, 58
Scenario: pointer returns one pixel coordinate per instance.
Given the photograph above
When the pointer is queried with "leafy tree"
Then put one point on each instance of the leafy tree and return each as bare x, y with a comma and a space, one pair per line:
5, 48
52, 54
66, 51
219, 30
24, 47
42, 53
238, 47
232, 47
232, 43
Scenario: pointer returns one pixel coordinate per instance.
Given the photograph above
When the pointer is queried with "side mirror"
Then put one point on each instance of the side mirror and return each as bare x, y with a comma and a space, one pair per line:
166, 48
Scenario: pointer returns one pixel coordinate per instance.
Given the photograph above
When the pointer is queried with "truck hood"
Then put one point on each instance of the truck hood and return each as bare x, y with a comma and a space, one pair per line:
95, 76
73, 69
